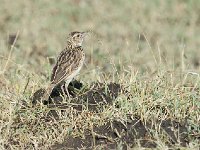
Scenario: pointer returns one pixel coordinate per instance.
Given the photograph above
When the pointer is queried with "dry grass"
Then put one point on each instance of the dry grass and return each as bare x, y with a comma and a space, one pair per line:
150, 47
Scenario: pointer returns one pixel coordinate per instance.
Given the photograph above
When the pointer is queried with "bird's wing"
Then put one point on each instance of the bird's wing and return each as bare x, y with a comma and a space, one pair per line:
67, 62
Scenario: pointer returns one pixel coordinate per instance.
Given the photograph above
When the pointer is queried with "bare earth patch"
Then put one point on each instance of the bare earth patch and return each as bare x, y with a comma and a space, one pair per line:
113, 133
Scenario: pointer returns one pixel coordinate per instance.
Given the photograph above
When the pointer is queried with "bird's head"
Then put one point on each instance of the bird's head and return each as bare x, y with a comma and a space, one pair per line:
75, 39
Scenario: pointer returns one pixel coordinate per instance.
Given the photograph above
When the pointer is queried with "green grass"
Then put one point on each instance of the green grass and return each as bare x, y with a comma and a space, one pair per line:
150, 47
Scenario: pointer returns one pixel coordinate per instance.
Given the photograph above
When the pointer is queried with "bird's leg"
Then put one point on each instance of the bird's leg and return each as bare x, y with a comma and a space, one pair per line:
64, 89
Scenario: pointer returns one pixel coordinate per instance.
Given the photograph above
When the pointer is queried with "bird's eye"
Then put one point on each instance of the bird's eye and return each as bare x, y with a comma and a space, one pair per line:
78, 35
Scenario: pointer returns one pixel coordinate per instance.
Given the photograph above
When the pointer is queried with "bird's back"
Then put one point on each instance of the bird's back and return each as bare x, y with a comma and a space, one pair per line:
68, 64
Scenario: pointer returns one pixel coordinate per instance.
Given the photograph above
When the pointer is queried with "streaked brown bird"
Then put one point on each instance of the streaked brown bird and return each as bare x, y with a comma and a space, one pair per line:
69, 62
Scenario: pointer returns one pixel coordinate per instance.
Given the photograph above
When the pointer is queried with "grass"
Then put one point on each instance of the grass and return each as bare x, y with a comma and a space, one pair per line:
149, 47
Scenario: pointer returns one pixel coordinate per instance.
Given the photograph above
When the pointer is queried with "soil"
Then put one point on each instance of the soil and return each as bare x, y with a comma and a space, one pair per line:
112, 133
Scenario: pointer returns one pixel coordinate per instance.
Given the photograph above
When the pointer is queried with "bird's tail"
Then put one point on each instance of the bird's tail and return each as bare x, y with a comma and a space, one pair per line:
48, 92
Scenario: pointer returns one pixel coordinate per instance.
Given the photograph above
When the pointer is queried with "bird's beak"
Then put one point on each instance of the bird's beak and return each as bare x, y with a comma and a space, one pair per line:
85, 33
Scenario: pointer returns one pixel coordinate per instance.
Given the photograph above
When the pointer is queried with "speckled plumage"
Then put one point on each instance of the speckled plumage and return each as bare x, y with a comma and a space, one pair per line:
69, 62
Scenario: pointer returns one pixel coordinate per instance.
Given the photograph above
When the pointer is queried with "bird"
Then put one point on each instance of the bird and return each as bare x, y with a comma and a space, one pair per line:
69, 62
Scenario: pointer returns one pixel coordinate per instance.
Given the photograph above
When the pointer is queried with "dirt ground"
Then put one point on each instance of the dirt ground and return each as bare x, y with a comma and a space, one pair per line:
114, 132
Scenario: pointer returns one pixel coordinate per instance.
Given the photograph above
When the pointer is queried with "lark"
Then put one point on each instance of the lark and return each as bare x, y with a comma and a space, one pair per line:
69, 62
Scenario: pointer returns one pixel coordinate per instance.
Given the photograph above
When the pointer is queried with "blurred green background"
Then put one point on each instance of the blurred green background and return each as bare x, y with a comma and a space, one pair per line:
141, 34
